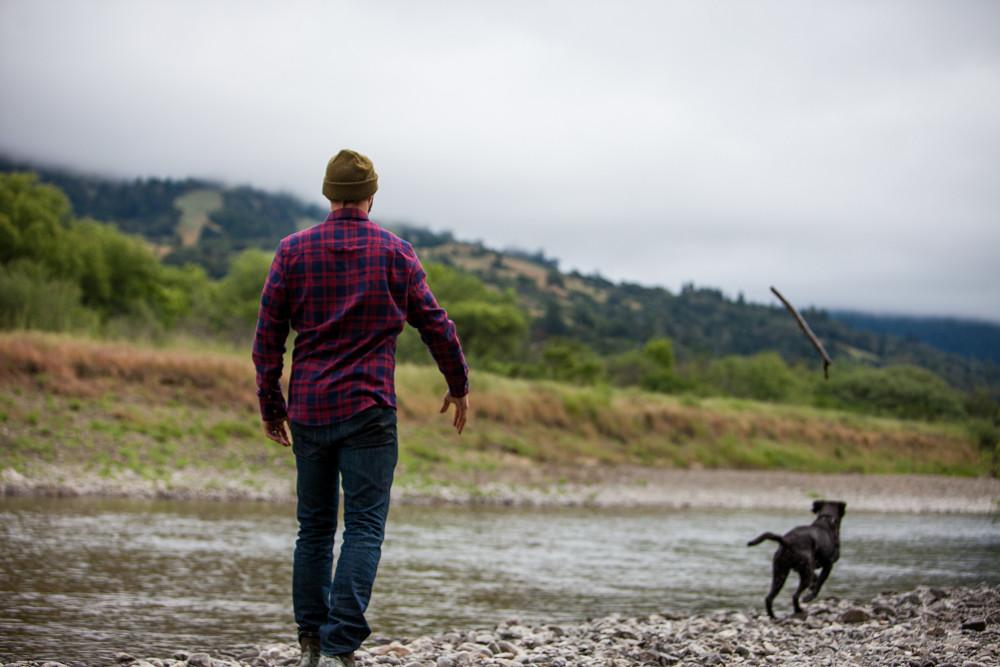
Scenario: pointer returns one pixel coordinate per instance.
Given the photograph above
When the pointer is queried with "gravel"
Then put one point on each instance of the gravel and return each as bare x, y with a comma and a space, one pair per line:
927, 627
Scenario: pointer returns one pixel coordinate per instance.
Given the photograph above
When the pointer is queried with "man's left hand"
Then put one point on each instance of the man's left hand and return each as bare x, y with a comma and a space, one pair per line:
275, 430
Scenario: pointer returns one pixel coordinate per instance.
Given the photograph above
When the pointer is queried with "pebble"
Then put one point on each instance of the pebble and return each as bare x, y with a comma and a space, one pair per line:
854, 616
917, 628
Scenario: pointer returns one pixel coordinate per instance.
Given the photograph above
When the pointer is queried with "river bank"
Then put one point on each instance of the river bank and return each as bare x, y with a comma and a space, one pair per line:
605, 487
188, 420
926, 627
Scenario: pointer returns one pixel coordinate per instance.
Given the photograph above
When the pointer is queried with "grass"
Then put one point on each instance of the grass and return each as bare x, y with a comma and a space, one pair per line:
196, 207
115, 406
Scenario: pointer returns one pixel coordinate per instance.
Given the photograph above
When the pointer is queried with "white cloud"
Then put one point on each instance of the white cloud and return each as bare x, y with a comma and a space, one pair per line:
845, 151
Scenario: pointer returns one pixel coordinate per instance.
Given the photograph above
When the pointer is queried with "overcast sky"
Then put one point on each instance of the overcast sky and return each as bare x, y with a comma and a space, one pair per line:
847, 152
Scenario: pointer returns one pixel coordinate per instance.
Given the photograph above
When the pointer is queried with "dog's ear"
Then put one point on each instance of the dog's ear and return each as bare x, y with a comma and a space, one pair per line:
843, 508
818, 505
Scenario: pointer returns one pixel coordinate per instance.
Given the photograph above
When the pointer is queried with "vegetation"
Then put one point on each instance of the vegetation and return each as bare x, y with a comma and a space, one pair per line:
517, 314
969, 338
113, 406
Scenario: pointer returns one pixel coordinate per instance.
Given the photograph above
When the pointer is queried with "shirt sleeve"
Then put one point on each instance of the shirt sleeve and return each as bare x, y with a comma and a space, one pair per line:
269, 341
437, 331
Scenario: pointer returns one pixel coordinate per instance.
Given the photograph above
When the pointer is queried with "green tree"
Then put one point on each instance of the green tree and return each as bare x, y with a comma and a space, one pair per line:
236, 299
32, 299
571, 361
652, 367
489, 330
900, 391
762, 377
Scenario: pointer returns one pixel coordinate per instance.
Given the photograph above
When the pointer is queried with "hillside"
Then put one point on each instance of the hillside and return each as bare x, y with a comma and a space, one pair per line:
702, 322
969, 338
108, 409
190, 220
196, 221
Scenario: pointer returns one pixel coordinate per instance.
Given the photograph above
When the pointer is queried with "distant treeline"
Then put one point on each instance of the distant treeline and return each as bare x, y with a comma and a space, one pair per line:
61, 272
702, 323
247, 217
199, 222
969, 338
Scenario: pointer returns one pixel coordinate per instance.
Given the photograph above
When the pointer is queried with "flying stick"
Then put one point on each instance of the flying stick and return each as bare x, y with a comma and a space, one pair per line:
808, 332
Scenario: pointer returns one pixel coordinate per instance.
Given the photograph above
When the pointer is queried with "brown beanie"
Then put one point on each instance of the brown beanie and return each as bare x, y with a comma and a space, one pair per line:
350, 176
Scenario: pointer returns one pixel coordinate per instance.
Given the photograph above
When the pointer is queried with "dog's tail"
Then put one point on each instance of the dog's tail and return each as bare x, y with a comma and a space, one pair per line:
766, 536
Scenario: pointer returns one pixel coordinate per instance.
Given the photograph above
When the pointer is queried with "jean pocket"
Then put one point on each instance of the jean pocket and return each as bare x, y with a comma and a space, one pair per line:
377, 431
305, 444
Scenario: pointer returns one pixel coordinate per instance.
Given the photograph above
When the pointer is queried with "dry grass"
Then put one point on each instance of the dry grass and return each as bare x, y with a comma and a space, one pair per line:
69, 366
518, 429
196, 207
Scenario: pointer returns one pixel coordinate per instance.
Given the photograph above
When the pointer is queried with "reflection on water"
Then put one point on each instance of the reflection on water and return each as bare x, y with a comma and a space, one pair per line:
83, 579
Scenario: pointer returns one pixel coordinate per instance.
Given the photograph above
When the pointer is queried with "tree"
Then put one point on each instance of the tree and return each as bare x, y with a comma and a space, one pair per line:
762, 377
489, 330
571, 361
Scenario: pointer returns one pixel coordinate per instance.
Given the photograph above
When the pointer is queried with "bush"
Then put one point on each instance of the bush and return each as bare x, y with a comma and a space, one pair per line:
571, 361
651, 368
31, 299
899, 391
762, 377
489, 330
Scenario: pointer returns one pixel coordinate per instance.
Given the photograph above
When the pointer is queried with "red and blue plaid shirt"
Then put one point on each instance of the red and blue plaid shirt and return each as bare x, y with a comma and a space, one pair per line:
347, 287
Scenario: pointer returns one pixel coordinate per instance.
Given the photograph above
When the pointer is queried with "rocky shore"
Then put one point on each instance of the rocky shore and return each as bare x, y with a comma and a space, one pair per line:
927, 627
611, 486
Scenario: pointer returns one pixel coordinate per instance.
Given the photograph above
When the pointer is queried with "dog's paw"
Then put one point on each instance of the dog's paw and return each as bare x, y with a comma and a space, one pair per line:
809, 597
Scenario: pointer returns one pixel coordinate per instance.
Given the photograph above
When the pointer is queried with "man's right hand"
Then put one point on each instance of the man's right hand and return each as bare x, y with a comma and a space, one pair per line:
461, 410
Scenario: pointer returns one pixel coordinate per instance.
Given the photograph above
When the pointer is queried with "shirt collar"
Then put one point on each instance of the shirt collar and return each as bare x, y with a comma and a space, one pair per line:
355, 214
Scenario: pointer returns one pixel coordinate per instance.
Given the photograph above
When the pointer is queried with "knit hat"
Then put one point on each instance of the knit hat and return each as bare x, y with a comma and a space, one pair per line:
350, 176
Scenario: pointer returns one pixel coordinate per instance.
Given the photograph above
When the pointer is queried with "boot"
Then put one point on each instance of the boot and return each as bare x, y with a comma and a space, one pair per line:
342, 660
310, 651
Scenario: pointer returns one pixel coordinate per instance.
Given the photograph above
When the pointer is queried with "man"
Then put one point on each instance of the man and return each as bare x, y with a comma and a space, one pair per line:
347, 287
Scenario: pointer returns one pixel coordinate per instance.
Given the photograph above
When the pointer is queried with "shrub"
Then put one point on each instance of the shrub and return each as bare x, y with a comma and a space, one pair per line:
900, 391
31, 299
571, 361
763, 377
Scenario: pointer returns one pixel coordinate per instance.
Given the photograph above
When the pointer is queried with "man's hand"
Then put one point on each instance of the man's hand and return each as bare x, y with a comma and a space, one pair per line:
276, 431
461, 410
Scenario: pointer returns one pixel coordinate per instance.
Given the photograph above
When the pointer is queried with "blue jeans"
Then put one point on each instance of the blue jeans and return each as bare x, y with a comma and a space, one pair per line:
361, 452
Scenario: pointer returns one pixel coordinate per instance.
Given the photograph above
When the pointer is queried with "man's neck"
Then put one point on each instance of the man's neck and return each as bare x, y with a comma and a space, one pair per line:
357, 206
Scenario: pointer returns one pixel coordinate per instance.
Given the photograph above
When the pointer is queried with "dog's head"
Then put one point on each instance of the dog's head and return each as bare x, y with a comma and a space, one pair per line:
833, 510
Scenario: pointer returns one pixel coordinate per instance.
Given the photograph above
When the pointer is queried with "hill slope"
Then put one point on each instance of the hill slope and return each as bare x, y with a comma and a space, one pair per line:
206, 223
191, 220
115, 406
969, 338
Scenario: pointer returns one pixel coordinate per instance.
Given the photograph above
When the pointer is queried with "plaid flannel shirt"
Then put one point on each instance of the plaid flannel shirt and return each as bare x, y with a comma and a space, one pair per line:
347, 287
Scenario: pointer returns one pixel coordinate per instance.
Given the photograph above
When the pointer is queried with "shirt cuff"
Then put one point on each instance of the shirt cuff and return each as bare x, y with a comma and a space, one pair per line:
272, 408
458, 390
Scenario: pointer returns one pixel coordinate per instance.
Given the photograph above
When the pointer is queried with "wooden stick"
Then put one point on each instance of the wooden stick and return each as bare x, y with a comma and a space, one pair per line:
808, 332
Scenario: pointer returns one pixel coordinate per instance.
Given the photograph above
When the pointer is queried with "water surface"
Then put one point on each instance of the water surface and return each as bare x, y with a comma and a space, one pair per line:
81, 579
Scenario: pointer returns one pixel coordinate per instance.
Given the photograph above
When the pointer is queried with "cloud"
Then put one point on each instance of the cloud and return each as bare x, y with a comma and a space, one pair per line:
846, 151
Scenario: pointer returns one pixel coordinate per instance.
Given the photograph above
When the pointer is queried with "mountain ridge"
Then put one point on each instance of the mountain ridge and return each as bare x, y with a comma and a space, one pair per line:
204, 222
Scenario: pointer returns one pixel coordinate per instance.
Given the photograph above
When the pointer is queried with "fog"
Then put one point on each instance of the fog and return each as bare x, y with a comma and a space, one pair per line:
846, 152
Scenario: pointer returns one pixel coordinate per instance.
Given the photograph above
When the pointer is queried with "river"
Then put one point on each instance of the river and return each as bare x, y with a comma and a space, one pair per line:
81, 579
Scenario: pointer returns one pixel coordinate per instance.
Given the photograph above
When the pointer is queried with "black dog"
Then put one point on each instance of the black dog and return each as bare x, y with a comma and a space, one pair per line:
804, 549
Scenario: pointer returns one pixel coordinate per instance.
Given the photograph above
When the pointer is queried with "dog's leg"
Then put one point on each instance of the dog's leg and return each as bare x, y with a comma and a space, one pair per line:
818, 584
777, 581
805, 580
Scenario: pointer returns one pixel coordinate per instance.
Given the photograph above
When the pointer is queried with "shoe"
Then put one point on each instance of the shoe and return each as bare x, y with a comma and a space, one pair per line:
342, 660
310, 651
